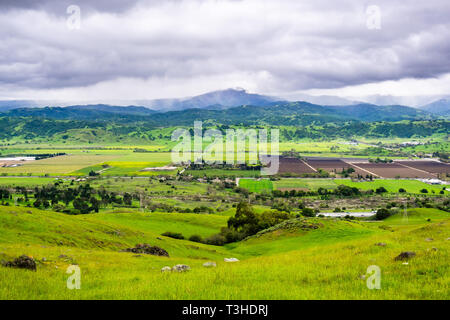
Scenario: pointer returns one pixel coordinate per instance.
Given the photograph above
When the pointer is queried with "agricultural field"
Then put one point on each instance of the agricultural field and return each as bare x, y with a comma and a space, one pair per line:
393, 185
232, 174
330, 165
428, 166
256, 185
312, 184
392, 170
295, 166
62, 165
304, 184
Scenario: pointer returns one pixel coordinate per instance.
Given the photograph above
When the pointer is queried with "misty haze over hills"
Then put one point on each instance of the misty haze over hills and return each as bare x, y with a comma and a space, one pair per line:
223, 99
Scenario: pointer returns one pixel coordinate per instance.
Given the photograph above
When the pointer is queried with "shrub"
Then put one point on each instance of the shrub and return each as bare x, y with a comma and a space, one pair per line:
382, 214
216, 240
401, 190
424, 190
247, 223
173, 235
232, 235
308, 212
195, 238
381, 190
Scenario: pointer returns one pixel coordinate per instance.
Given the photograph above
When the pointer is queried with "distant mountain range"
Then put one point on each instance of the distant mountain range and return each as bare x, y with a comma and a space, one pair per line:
89, 112
290, 113
231, 105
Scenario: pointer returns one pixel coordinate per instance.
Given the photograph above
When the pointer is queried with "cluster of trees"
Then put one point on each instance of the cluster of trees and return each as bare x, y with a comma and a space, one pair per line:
84, 198
245, 223
379, 160
346, 172
341, 190
5, 194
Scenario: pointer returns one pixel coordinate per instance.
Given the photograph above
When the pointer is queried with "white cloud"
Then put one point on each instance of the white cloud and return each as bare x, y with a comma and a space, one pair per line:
154, 49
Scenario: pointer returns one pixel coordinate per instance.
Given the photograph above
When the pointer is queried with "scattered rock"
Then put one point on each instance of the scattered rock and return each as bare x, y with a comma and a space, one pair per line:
67, 259
210, 265
181, 268
405, 263
362, 277
22, 262
29, 212
429, 239
380, 244
166, 269
44, 259
231, 260
405, 255
158, 238
433, 249
148, 249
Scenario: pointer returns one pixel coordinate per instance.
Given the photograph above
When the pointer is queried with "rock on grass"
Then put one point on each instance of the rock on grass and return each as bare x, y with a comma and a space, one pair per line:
148, 249
22, 262
405, 255
181, 268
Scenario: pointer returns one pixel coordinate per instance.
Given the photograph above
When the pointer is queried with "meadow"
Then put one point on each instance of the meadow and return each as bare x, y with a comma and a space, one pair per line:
328, 263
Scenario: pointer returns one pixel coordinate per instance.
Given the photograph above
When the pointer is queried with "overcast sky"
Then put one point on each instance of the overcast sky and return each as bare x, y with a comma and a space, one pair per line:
142, 49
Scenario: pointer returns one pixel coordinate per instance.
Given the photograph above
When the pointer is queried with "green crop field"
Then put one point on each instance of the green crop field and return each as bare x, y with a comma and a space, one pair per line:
310, 184
58, 165
411, 186
256, 185
224, 173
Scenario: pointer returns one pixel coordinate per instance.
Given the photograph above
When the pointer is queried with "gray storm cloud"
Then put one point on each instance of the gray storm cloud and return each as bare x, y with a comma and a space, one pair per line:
278, 46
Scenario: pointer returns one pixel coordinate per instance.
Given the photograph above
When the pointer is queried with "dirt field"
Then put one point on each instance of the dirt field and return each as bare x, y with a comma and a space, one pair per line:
429, 166
293, 165
330, 165
393, 170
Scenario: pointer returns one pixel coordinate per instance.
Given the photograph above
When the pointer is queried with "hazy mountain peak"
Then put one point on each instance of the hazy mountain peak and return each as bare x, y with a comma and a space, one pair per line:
440, 107
231, 97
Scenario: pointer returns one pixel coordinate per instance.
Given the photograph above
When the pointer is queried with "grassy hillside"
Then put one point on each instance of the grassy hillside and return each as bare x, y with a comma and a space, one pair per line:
283, 263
